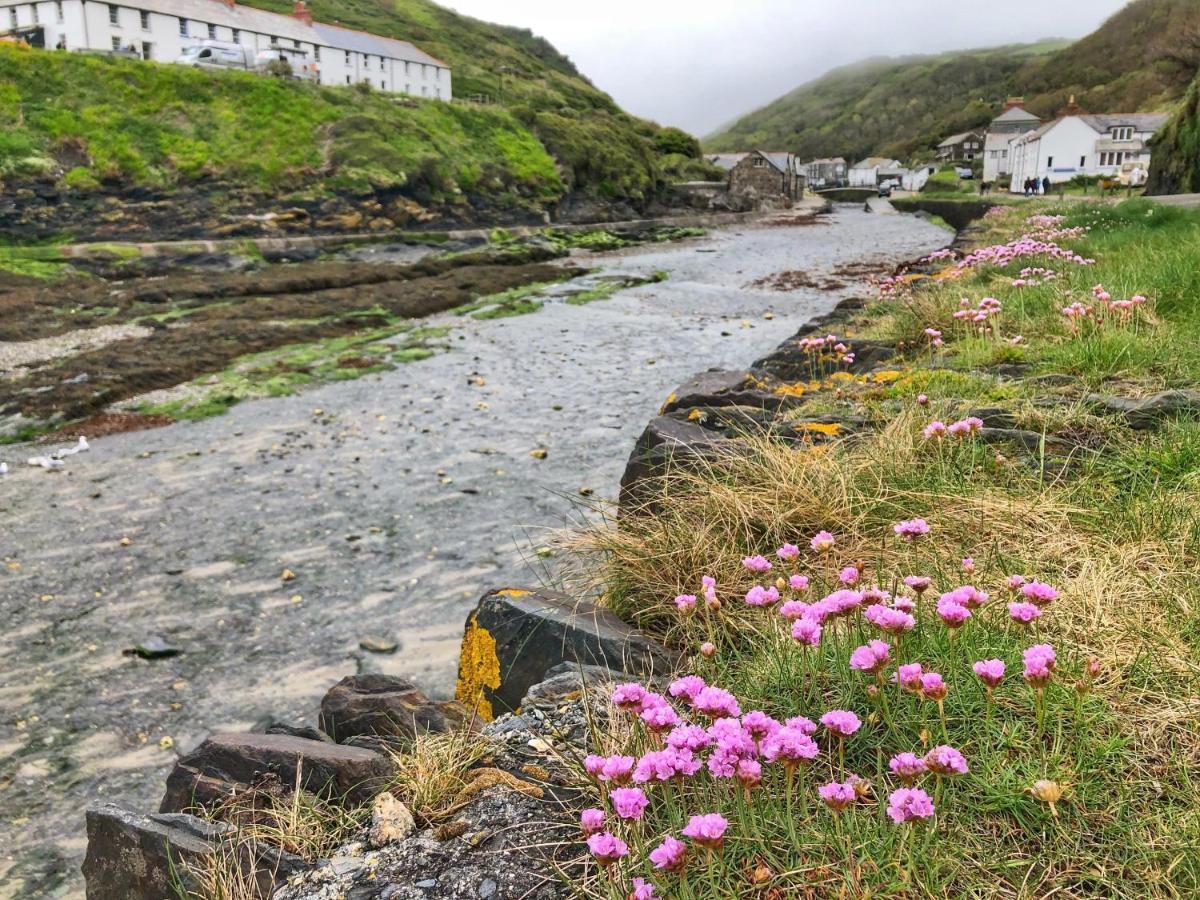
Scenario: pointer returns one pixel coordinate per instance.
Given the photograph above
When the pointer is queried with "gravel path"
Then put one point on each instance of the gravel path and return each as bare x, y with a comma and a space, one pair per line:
396, 500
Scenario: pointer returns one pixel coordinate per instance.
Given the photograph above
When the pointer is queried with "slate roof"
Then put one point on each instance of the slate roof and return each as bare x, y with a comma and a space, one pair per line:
876, 162
372, 44
957, 139
726, 161
1140, 121
1015, 115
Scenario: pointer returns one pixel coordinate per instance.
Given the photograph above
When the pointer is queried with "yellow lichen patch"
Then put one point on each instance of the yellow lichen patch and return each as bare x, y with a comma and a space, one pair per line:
671, 398
478, 670
829, 429
697, 415
841, 376
513, 592
886, 377
798, 389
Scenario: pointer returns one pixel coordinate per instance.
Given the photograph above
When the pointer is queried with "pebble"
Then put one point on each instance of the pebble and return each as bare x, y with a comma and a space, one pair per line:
154, 648
487, 888
377, 644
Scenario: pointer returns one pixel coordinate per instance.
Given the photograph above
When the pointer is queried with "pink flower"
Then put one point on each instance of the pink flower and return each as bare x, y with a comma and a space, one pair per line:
788, 552
708, 649
933, 687
908, 767
891, 621
870, 657
909, 676
685, 602
968, 564
642, 890
922, 400
758, 724
907, 804
617, 769
594, 765
687, 687
716, 703
790, 746
965, 427
935, 430
990, 671
1040, 593
692, 738
802, 724
629, 697
912, 529
807, 632
945, 760
837, 796
798, 583
749, 773
848, 575
660, 717
707, 830
822, 542
760, 596
665, 765
1039, 664
950, 612
793, 609
841, 722
919, 583
591, 821
757, 563
1024, 612
904, 604
607, 848
708, 586
629, 803
968, 595
670, 855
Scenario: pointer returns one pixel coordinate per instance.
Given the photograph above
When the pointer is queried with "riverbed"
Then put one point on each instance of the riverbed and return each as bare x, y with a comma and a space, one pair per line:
268, 542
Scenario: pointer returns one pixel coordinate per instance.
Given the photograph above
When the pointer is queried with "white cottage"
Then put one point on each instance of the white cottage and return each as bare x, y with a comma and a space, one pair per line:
1013, 121
160, 30
1113, 146
869, 172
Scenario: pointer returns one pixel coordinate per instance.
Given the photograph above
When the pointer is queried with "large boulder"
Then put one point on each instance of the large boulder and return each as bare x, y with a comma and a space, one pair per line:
514, 636
1147, 412
717, 388
132, 856
666, 442
384, 705
227, 763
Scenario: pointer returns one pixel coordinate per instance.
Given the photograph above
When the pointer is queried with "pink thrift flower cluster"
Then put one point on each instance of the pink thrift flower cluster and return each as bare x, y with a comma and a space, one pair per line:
911, 529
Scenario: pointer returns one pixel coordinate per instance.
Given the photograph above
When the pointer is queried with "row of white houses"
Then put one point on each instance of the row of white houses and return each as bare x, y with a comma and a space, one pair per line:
160, 30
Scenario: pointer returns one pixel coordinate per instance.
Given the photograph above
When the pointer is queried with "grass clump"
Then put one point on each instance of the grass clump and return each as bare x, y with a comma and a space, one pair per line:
796, 581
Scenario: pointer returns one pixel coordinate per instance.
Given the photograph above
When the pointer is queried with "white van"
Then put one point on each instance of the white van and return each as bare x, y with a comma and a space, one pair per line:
217, 55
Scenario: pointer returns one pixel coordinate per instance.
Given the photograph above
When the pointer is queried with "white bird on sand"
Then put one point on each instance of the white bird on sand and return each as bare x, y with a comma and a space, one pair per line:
71, 451
3, 468
44, 462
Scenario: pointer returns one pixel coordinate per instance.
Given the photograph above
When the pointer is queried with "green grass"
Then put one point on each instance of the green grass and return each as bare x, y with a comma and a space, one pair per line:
1112, 523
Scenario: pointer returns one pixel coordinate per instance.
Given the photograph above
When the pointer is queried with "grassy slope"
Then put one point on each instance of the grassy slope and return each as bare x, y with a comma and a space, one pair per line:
900, 107
1175, 165
154, 124
1118, 536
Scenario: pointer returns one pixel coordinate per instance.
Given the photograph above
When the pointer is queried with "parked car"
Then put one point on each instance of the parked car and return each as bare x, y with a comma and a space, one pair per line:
217, 55
966, 173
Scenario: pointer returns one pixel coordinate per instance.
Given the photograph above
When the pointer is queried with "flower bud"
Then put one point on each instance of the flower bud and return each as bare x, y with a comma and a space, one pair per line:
708, 650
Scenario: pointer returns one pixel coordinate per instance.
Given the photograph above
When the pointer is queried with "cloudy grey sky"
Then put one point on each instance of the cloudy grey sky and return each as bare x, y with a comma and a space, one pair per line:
700, 63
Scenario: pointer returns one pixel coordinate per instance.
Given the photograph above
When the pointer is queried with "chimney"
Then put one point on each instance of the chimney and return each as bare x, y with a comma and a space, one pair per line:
1013, 103
300, 11
1071, 109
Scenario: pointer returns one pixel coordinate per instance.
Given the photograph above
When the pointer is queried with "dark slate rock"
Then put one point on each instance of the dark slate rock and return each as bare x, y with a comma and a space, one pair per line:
666, 442
378, 704
227, 762
718, 387
131, 856
1148, 412
527, 633
995, 416
308, 732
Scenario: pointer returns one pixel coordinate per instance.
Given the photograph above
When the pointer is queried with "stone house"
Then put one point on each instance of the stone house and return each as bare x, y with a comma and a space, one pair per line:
768, 180
1116, 146
963, 147
1014, 120
160, 30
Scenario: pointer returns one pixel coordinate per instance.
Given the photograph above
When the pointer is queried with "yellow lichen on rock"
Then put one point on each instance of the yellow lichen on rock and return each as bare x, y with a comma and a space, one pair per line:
671, 398
886, 377
513, 592
829, 429
478, 668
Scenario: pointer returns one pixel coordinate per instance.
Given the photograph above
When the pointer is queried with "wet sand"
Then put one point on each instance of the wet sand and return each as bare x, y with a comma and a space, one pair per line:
396, 500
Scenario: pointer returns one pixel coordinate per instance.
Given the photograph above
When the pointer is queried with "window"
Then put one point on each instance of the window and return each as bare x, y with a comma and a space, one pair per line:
382, 86
183, 28
759, 162
147, 50
381, 66
316, 53
1123, 133
407, 67
116, 42
237, 36
347, 77
347, 57
212, 32
145, 21
114, 15
1049, 162
1082, 161
58, 11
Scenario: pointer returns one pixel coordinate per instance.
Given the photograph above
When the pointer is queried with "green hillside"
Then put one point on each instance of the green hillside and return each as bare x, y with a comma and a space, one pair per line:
1175, 164
904, 106
541, 133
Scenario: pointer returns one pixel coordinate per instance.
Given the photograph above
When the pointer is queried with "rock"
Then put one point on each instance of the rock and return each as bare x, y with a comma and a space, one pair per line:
718, 388
378, 644
154, 648
995, 417
666, 442
390, 821
132, 856
487, 888
515, 636
1148, 412
565, 682
378, 704
308, 732
226, 763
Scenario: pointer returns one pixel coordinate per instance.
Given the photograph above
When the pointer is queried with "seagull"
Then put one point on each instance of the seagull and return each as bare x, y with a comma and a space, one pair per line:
71, 451
3, 468
45, 462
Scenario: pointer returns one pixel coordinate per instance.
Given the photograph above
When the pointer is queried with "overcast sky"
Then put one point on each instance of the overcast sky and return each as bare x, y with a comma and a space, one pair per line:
701, 63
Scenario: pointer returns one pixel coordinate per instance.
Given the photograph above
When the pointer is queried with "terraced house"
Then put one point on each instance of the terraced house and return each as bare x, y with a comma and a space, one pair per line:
162, 30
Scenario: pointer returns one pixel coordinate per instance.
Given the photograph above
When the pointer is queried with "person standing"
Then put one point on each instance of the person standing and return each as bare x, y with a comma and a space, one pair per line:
1046, 185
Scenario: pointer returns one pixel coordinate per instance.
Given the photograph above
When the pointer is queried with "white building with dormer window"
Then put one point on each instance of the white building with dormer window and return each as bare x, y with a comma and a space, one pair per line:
1113, 146
161, 30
